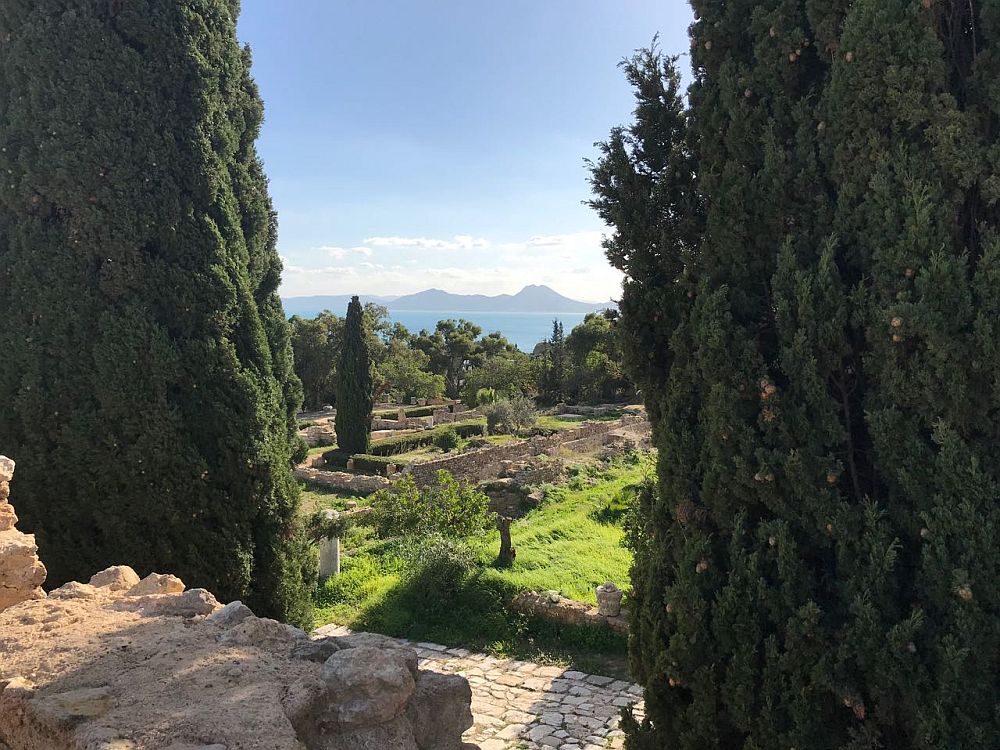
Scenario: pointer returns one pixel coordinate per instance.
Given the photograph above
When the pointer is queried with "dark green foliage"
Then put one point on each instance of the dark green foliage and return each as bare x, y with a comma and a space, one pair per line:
355, 395
552, 372
447, 507
812, 305
447, 440
316, 346
405, 443
453, 350
146, 385
594, 371
421, 411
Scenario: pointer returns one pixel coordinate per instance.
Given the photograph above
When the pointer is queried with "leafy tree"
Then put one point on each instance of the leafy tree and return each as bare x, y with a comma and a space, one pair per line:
815, 338
447, 507
453, 351
316, 348
404, 372
354, 385
510, 415
594, 354
146, 383
508, 374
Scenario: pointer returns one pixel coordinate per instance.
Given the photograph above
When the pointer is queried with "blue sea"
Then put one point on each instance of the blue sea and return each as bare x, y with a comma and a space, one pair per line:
523, 329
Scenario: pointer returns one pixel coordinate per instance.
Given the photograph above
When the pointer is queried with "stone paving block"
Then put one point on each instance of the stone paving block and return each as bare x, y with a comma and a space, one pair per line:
519, 705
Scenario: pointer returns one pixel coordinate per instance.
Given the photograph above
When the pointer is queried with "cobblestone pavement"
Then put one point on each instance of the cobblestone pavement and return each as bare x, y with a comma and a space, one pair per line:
520, 705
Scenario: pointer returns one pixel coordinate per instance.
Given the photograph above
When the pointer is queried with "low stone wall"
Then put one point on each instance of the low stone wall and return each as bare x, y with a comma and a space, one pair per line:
359, 484
317, 435
551, 606
486, 463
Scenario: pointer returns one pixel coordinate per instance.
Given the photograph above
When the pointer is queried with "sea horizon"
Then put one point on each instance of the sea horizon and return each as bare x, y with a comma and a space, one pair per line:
524, 329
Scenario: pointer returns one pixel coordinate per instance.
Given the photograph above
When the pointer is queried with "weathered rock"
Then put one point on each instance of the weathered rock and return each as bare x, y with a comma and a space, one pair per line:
21, 572
115, 578
374, 640
317, 649
8, 518
191, 603
114, 680
367, 686
439, 711
67, 710
232, 614
609, 600
262, 632
157, 583
74, 590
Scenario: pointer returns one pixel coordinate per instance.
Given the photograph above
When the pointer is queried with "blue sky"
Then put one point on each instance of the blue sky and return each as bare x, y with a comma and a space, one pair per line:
441, 143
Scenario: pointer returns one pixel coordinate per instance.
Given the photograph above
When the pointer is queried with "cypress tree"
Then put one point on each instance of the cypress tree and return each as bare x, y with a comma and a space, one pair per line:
355, 387
146, 383
817, 566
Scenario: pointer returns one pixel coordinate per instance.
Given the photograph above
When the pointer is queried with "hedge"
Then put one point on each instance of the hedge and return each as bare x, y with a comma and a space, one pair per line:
404, 443
419, 411
363, 463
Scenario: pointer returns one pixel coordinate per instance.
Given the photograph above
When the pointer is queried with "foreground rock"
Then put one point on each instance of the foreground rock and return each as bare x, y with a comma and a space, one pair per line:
114, 672
21, 573
121, 663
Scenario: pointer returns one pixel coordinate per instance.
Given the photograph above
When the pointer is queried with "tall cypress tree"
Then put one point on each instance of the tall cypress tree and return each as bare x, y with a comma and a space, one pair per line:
146, 383
355, 388
817, 567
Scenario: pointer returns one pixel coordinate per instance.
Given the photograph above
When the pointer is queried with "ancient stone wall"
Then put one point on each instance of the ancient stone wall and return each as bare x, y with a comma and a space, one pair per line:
359, 484
486, 463
550, 606
21, 573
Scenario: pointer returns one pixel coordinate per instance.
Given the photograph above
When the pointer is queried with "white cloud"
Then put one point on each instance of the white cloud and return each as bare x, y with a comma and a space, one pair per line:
339, 253
572, 263
460, 242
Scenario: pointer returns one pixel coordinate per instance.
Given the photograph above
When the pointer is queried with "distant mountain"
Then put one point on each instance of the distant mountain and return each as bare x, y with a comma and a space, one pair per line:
531, 299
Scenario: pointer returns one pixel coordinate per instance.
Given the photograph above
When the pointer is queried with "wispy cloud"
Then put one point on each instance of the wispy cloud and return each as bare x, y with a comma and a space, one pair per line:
460, 242
573, 263
339, 253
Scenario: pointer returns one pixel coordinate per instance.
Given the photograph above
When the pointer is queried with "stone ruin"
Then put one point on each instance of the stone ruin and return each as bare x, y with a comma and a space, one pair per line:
120, 663
21, 573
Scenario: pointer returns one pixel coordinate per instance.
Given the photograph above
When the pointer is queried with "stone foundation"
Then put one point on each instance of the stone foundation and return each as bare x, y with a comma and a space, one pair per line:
359, 484
550, 606
487, 463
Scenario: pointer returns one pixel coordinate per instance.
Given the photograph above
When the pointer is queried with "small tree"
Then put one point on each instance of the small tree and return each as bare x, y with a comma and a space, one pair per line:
446, 507
354, 385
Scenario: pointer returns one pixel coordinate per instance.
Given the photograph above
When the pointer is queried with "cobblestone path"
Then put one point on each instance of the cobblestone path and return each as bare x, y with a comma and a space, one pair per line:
520, 705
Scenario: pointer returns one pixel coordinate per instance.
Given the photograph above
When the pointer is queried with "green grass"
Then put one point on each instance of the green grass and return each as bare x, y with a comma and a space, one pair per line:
570, 544
320, 498
552, 422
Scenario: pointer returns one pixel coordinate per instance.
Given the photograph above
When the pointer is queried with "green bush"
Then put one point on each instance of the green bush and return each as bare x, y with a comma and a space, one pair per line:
445, 507
406, 443
418, 411
447, 440
436, 565
368, 464
510, 415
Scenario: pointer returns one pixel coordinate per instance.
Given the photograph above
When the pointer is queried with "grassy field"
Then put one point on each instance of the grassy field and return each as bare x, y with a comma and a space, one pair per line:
570, 544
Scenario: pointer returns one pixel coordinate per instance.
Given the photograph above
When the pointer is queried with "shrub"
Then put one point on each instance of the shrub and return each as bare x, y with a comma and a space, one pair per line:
447, 440
510, 415
404, 443
445, 507
436, 565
